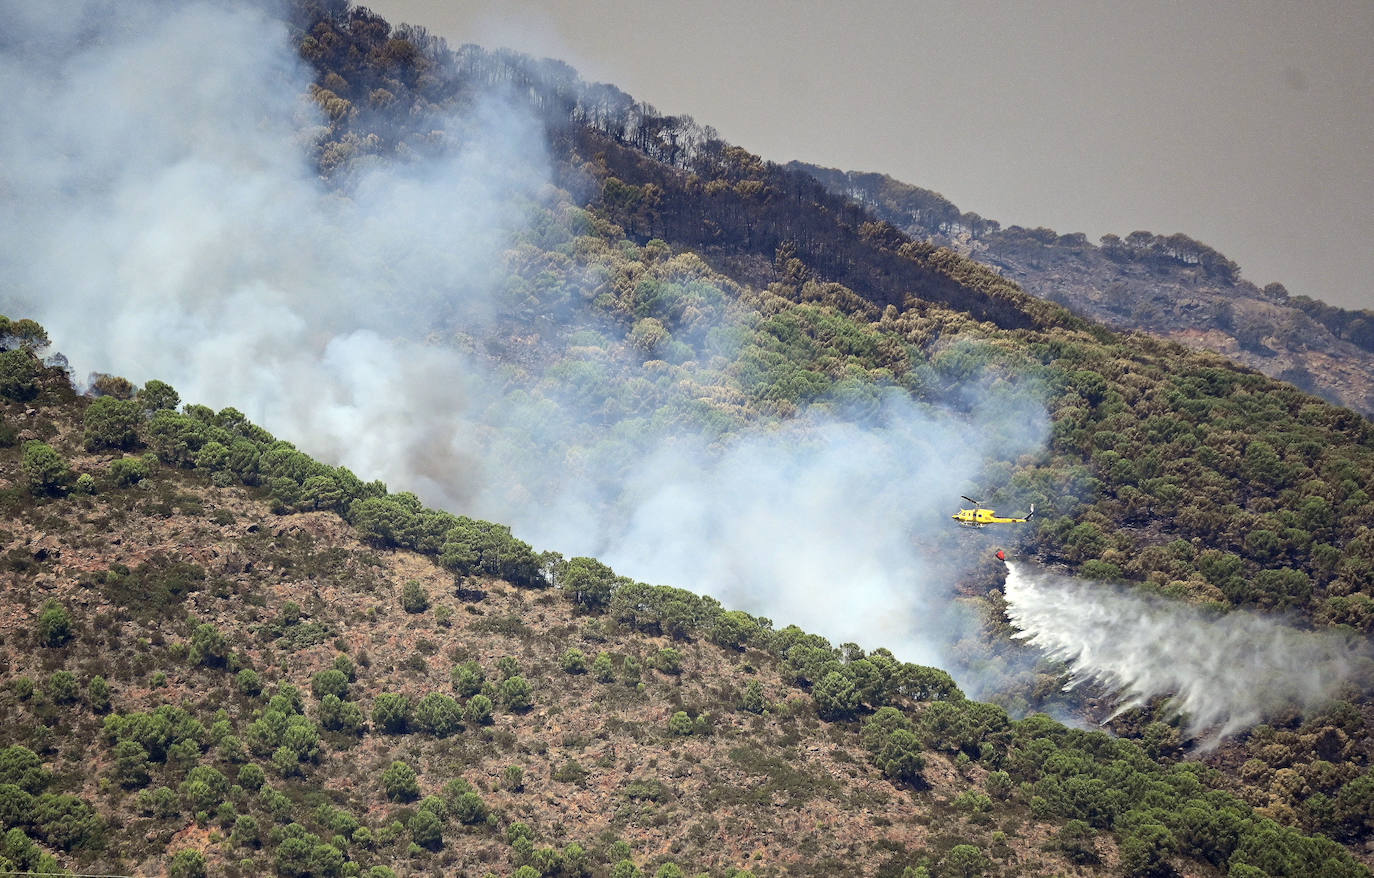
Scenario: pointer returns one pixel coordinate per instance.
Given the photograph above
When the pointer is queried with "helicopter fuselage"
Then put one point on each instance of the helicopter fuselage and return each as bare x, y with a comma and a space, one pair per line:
980, 516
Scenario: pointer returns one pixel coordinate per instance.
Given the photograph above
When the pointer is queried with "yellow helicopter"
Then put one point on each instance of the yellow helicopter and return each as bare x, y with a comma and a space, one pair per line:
980, 515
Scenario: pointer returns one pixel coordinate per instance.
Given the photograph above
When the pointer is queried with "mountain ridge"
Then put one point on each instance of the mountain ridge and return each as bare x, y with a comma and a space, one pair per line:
1173, 287
653, 298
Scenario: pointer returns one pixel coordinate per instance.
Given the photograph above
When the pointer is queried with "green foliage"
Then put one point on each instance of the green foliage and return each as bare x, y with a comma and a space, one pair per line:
391, 712
969, 726
251, 777
54, 625
276, 803
246, 831
465, 546
98, 694
631, 670
156, 396
400, 783
285, 762
414, 598
999, 785
329, 682
248, 682
517, 831
159, 802
794, 355
23, 334
44, 471
15, 805
62, 687
574, 661
66, 822
21, 767
733, 629
19, 373
836, 696
438, 714
208, 647
344, 665
469, 809
753, 699
130, 769
626, 869
516, 694
337, 715
1075, 840
467, 679
964, 861
570, 772
680, 724
478, 710
203, 788
1145, 849
603, 669
973, 802
155, 589
893, 746
1281, 589
648, 789
668, 660
125, 471
283, 727
112, 423
426, 829
588, 582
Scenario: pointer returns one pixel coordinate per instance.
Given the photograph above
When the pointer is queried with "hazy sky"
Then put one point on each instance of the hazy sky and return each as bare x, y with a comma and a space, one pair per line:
1247, 125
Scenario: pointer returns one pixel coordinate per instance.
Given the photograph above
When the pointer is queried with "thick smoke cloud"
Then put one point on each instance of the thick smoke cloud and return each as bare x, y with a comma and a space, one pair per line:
160, 215
822, 523
161, 218
1223, 672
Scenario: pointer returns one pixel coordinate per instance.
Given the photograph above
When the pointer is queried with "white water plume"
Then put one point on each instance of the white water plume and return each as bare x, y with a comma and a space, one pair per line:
1223, 672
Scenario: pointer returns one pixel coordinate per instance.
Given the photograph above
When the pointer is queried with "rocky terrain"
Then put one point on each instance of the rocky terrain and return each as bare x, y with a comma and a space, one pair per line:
1171, 287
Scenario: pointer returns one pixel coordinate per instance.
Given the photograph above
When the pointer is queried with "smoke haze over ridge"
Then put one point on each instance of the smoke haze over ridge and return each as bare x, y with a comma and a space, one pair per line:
1224, 673
159, 214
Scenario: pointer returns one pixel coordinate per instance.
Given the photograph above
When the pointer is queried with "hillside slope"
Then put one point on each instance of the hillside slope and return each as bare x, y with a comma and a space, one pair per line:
1172, 287
201, 675
663, 291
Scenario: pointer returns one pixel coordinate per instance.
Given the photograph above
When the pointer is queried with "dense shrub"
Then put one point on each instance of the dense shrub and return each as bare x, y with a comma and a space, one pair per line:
391, 712
54, 625
18, 375
44, 470
112, 423
400, 783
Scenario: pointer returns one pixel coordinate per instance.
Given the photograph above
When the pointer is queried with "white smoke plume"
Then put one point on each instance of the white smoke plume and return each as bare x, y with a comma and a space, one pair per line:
160, 215
1223, 672
821, 523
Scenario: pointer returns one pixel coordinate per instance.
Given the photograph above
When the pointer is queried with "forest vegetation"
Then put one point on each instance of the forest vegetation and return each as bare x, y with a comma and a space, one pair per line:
1171, 286
222, 656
